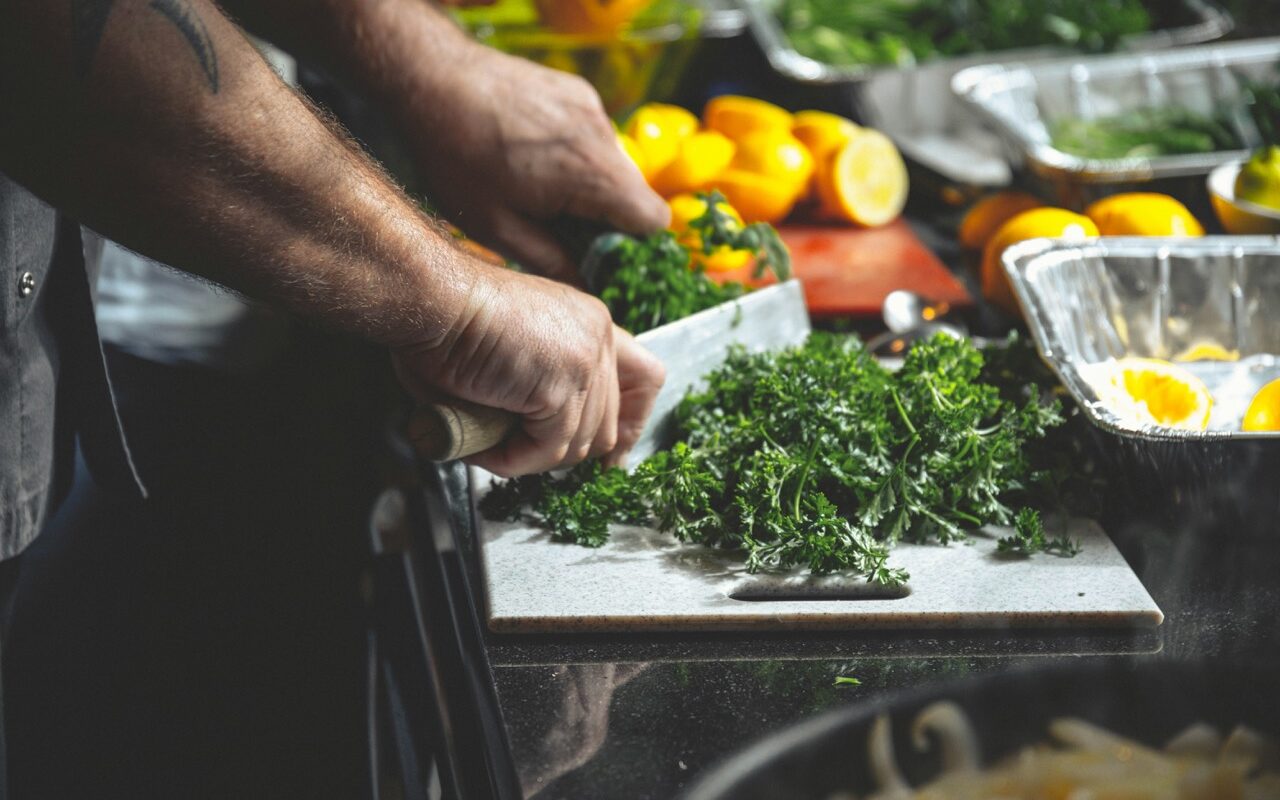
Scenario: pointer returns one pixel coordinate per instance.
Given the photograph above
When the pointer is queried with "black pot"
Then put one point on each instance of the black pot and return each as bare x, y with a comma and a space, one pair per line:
1150, 701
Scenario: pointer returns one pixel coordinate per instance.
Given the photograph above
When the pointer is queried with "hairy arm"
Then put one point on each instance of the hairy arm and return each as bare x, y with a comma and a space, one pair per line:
156, 122
540, 137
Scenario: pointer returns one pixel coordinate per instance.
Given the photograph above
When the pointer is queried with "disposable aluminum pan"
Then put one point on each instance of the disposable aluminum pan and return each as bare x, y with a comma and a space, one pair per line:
915, 106
1024, 101
1090, 303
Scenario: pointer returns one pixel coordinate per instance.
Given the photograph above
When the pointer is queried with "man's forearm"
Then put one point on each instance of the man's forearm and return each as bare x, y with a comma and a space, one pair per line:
156, 122
400, 52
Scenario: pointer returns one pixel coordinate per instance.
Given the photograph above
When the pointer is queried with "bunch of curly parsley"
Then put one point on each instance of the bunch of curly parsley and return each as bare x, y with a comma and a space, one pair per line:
819, 456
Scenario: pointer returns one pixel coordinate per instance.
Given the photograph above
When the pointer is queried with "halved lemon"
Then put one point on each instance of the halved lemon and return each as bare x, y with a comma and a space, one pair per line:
1148, 391
865, 181
1264, 410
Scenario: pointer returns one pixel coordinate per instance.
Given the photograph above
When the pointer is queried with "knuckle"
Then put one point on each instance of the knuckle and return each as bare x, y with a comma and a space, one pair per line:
657, 372
608, 441
561, 452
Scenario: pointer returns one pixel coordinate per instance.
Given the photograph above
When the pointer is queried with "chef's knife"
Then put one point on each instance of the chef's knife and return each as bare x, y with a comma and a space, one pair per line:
766, 319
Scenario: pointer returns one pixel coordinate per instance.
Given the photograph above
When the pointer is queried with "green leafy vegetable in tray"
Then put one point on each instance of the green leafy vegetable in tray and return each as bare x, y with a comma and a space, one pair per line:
1147, 133
902, 32
819, 456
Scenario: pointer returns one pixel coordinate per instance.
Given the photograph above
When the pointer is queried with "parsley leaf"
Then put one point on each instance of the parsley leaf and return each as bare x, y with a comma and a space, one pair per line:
652, 282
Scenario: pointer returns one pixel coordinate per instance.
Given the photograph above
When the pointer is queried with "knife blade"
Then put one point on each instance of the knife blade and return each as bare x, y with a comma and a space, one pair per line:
770, 318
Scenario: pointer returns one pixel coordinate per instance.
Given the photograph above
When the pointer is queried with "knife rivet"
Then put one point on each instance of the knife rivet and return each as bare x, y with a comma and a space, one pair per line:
26, 284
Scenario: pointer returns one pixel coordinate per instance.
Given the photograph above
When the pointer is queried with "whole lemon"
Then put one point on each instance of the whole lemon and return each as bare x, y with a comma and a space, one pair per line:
1056, 223
1143, 214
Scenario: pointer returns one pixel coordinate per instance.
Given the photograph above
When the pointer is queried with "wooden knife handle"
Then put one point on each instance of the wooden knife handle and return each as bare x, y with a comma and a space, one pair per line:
454, 429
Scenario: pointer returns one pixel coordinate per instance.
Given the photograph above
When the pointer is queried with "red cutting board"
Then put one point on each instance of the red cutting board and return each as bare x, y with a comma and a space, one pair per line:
847, 271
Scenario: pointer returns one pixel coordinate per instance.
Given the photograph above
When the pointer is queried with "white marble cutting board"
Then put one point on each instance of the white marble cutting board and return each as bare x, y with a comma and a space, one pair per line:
643, 580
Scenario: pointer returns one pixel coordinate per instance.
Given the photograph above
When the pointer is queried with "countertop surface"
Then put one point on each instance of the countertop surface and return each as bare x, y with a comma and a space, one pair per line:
637, 716
640, 715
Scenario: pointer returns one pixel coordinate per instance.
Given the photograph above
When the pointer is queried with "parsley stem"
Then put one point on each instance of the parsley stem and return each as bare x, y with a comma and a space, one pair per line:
903, 412
804, 477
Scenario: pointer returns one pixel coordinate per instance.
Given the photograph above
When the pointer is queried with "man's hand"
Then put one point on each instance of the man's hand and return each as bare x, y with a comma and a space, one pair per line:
506, 146
582, 387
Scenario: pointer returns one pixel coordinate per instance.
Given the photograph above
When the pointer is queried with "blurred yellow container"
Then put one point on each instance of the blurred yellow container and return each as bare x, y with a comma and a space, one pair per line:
628, 60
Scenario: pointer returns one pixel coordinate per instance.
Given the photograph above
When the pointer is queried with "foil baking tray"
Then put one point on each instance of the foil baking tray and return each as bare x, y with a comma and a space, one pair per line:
915, 106
1093, 302
1023, 101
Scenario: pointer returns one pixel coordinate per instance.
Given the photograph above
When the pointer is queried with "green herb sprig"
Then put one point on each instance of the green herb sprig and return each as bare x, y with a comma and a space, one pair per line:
1029, 538
652, 282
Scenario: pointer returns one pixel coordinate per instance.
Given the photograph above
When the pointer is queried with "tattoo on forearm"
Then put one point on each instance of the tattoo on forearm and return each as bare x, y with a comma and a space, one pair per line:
197, 35
89, 21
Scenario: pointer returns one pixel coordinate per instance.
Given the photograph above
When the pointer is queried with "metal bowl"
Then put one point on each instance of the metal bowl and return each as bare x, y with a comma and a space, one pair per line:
826, 756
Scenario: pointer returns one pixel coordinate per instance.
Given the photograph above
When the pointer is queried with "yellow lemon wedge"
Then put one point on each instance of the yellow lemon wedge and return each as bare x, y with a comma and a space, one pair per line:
1207, 351
1263, 413
987, 215
736, 116
1143, 214
657, 129
1148, 391
699, 159
865, 181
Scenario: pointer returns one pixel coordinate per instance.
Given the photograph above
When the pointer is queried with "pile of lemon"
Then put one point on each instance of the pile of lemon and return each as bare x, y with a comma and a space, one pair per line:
997, 222
766, 160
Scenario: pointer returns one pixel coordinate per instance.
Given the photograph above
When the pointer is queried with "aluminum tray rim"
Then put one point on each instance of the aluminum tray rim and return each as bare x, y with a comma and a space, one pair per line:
975, 85
1021, 259
1214, 23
